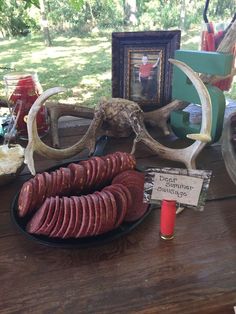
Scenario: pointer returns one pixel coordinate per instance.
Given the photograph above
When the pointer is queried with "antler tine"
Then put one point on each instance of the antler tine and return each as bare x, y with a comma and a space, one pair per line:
56, 110
35, 143
161, 115
186, 155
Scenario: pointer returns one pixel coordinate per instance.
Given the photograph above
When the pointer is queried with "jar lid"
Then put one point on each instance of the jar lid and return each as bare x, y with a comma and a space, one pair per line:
19, 75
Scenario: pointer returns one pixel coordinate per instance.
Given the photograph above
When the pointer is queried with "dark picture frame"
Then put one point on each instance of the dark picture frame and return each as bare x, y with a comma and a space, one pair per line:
150, 84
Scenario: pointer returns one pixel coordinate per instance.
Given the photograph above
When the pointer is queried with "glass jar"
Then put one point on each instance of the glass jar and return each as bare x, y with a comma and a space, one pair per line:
22, 90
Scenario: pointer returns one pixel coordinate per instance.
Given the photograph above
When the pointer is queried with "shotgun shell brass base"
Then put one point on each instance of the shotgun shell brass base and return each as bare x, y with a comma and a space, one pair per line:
167, 237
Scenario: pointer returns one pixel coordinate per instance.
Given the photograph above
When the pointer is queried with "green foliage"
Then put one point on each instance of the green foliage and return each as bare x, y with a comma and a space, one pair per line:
167, 14
107, 13
159, 15
77, 4
15, 19
84, 15
219, 9
25, 3
61, 13
29, 3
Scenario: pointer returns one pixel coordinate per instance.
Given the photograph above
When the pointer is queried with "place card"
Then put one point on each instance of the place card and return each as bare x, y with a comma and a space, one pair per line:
187, 187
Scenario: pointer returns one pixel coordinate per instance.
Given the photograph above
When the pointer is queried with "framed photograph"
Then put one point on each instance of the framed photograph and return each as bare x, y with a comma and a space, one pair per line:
140, 68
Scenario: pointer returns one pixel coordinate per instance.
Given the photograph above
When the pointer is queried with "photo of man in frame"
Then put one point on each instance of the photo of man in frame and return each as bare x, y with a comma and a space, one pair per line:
144, 75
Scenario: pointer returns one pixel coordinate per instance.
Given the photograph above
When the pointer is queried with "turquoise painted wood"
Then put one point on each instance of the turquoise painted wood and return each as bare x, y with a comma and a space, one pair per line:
202, 62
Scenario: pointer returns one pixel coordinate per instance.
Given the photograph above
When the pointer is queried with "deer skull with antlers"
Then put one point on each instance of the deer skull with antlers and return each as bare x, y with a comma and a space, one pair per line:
120, 117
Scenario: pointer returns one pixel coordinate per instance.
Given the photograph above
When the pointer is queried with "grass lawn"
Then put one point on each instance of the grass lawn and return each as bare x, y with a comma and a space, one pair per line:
82, 65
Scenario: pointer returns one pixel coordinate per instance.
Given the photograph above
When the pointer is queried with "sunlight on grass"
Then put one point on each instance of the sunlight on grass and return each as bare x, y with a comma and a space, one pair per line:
7, 42
89, 81
190, 40
192, 43
105, 76
89, 87
82, 65
87, 95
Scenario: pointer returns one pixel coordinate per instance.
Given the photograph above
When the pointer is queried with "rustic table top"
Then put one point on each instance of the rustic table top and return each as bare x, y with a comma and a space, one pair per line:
137, 273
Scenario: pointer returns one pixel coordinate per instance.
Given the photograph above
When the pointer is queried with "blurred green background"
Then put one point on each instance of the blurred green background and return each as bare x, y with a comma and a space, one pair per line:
73, 49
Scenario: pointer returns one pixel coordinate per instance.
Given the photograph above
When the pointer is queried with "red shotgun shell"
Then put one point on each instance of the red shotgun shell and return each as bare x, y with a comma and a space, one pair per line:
168, 214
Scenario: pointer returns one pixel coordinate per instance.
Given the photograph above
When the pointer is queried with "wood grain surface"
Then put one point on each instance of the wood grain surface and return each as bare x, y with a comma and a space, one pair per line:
137, 273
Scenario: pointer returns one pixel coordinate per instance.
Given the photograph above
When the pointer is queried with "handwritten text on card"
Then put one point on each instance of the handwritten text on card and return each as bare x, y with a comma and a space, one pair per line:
181, 188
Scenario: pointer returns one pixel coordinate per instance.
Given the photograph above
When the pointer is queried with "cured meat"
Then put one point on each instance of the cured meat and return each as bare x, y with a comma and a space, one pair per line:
93, 176
40, 187
101, 224
71, 224
114, 163
101, 171
78, 177
78, 215
59, 220
39, 217
134, 181
91, 214
119, 164
25, 198
60, 213
88, 168
58, 182
48, 183
66, 180
111, 210
129, 176
54, 183
125, 190
98, 213
85, 218
50, 212
121, 203
138, 208
108, 164
66, 217
122, 160
55, 203
75, 179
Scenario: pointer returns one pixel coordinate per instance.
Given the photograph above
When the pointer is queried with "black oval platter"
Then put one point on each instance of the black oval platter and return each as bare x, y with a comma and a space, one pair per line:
123, 229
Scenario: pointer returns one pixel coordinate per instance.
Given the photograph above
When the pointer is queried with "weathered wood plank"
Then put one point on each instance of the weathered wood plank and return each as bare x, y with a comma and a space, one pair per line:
138, 273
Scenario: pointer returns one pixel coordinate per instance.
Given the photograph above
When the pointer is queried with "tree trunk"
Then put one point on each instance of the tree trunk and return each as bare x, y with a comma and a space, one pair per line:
44, 24
130, 10
91, 13
182, 15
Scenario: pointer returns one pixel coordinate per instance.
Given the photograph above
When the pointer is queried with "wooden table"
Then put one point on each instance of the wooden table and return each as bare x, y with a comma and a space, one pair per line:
137, 273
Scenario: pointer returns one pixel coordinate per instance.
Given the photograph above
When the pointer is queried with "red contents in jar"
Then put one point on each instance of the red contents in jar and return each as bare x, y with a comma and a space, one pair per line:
23, 97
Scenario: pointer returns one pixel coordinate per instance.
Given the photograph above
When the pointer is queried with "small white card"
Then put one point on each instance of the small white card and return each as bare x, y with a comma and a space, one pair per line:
187, 187
182, 189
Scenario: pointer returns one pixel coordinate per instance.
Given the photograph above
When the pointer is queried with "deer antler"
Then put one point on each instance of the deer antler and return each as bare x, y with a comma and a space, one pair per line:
186, 155
157, 117
56, 110
120, 117
161, 115
35, 143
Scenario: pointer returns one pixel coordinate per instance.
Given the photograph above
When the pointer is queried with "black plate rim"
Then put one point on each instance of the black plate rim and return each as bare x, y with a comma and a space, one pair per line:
87, 242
